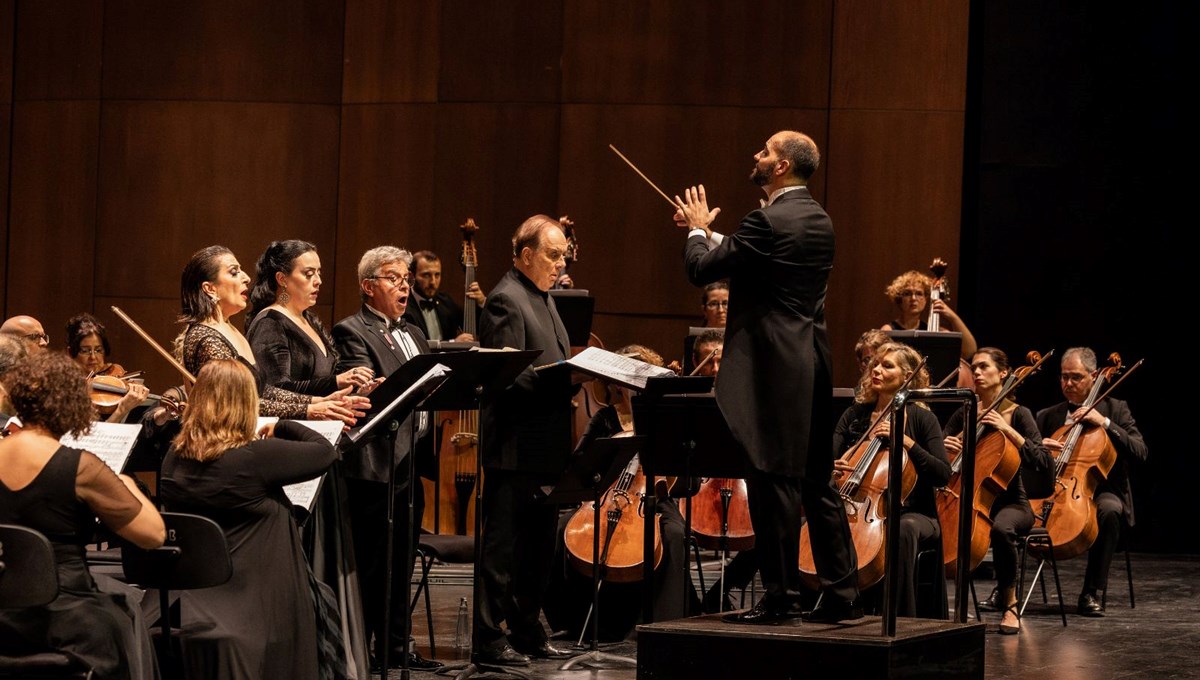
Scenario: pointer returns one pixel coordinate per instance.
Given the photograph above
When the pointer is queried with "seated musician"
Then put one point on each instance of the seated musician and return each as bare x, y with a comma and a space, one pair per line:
1114, 496
1012, 518
892, 364
28, 328
910, 293
715, 304
569, 595
87, 344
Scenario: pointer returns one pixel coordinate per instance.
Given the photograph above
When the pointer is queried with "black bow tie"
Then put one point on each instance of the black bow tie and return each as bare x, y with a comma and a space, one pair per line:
427, 305
399, 324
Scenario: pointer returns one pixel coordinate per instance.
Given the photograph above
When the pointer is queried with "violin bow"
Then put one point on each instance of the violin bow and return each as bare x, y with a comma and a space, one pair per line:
706, 360
1111, 387
1012, 386
146, 336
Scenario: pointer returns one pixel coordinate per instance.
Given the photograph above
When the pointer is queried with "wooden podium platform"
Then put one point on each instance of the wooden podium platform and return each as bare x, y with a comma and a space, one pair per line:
707, 647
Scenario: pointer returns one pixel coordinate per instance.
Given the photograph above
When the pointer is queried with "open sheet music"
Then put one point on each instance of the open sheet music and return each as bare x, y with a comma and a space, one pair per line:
613, 367
304, 493
111, 442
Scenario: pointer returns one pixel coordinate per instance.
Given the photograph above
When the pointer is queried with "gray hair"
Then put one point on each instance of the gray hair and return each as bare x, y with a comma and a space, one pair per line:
1086, 357
13, 351
376, 258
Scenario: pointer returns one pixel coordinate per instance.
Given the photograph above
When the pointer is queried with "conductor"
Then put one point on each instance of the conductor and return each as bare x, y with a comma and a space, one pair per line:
778, 263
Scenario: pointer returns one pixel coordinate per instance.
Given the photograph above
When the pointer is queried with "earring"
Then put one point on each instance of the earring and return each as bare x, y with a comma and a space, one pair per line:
283, 296
214, 298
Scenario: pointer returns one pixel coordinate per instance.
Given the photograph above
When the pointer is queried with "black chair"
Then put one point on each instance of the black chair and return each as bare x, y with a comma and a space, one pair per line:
1039, 540
931, 584
195, 555
449, 548
29, 578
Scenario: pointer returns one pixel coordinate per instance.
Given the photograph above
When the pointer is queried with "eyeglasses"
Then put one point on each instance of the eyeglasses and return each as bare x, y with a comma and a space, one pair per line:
38, 337
407, 279
1073, 377
715, 304
91, 351
913, 294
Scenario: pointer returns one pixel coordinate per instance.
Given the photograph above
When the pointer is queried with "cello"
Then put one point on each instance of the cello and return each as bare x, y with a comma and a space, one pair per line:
454, 511
1087, 456
622, 512
862, 490
997, 460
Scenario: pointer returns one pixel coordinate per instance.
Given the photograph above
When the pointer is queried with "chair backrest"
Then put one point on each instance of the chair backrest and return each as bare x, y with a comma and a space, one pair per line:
28, 570
195, 555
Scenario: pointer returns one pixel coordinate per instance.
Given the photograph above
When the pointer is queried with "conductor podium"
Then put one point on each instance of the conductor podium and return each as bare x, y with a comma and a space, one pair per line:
687, 435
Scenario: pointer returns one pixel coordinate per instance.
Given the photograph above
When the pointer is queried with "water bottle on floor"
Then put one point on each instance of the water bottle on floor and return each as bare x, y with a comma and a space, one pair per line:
462, 631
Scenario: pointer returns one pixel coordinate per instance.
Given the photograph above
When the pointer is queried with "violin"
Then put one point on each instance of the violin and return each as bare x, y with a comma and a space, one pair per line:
106, 391
622, 529
938, 290
453, 510
1087, 456
997, 460
863, 492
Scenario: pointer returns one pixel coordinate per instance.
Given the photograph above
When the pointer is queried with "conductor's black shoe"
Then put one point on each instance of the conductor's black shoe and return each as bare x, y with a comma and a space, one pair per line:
832, 610
502, 655
762, 614
992, 603
1090, 606
417, 662
544, 651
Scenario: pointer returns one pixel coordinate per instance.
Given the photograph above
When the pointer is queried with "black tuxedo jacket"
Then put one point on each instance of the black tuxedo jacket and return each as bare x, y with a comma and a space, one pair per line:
449, 314
1125, 437
775, 389
527, 427
362, 339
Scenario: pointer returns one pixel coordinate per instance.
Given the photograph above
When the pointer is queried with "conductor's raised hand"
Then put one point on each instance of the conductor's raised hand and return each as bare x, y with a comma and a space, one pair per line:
693, 212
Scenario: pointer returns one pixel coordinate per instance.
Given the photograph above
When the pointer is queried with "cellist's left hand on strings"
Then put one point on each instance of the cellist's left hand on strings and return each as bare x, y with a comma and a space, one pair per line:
693, 212
1093, 417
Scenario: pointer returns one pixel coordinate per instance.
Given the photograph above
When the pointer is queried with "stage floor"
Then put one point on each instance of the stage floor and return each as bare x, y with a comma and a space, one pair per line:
1157, 639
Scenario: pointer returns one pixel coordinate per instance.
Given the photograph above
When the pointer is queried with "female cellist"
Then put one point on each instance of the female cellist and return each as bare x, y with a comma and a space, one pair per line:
891, 365
88, 346
570, 595
1011, 514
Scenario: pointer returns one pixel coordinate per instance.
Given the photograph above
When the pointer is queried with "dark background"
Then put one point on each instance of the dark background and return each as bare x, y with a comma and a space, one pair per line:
1036, 146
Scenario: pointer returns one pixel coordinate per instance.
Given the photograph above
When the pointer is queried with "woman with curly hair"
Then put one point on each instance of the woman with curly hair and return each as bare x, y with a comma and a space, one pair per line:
61, 492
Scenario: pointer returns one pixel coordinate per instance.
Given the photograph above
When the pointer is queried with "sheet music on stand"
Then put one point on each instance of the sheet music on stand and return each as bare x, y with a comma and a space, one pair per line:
303, 494
111, 442
624, 371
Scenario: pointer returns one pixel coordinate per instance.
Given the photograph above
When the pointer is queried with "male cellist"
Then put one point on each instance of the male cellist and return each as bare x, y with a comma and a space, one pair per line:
1113, 497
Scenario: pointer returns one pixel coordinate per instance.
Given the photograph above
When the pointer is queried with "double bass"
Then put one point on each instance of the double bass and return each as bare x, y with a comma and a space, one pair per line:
997, 460
863, 492
459, 450
938, 290
1087, 457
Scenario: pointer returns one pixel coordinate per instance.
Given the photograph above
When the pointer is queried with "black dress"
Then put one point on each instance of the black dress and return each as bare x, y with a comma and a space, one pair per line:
288, 358
202, 344
93, 627
262, 622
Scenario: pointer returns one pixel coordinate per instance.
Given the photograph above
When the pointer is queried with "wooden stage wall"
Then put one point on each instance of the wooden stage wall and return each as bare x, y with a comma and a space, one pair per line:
134, 132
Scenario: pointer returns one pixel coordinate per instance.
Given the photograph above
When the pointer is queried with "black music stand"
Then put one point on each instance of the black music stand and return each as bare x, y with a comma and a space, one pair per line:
686, 436
589, 475
575, 308
393, 402
476, 375
943, 349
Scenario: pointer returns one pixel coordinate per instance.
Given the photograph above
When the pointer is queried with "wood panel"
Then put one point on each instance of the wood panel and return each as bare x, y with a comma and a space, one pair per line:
52, 211
178, 176
5, 132
58, 54
497, 163
888, 223
7, 14
500, 51
386, 187
631, 257
905, 55
275, 50
391, 51
773, 53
